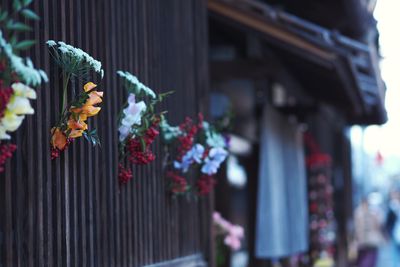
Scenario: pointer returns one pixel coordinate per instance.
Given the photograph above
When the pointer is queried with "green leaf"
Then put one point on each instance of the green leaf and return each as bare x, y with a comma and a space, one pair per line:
29, 14
81, 100
92, 137
13, 40
26, 44
142, 143
18, 26
146, 123
17, 5
26, 2
3, 15
162, 96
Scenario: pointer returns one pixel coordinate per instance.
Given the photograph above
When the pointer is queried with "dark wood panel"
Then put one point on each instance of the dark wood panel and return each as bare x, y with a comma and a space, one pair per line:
72, 211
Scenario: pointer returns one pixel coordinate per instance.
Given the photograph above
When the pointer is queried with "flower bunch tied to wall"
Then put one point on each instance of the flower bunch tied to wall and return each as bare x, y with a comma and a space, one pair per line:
76, 66
197, 146
227, 235
138, 124
17, 74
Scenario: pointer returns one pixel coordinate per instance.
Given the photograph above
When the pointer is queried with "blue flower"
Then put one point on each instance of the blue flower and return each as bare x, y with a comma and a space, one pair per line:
212, 163
195, 154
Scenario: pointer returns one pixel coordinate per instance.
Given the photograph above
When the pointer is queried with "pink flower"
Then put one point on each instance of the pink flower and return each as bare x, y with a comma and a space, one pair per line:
233, 242
233, 233
216, 216
237, 231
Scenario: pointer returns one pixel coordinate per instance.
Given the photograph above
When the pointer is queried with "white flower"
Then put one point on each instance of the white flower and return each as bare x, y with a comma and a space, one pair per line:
63, 50
123, 132
21, 89
51, 43
11, 121
20, 106
23, 67
132, 116
133, 83
81, 60
3, 134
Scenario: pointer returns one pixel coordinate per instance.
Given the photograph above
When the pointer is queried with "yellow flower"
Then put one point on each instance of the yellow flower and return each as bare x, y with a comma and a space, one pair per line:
89, 86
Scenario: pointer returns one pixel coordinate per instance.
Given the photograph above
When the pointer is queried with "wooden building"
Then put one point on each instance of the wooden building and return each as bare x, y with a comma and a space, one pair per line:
299, 67
289, 67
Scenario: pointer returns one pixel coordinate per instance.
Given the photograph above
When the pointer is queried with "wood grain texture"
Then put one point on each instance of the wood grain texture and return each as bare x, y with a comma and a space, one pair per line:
72, 211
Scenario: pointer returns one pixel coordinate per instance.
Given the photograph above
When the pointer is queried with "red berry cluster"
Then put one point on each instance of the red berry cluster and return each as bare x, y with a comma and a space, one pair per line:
205, 184
55, 152
189, 130
178, 183
5, 95
138, 155
124, 175
6, 151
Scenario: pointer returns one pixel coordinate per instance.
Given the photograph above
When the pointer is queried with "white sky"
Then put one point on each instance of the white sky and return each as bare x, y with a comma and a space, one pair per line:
386, 138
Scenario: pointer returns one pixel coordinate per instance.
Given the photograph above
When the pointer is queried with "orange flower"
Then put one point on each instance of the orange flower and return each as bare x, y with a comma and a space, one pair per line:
88, 108
76, 127
76, 122
58, 138
94, 98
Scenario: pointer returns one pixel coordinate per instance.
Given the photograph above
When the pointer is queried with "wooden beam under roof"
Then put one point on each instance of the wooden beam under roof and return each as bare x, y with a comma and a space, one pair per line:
258, 23
328, 49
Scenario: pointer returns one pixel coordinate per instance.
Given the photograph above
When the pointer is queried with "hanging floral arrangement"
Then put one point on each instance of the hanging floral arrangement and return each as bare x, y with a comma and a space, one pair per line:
227, 235
76, 65
138, 125
17, 75
196, 146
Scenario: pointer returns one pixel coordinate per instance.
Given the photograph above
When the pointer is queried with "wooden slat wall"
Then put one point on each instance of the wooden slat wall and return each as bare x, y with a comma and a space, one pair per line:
72, 211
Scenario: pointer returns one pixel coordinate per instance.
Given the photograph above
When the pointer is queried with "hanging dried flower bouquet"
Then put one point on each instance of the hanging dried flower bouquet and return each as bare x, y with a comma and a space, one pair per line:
137, 125
17, 75
76, 65
196, 146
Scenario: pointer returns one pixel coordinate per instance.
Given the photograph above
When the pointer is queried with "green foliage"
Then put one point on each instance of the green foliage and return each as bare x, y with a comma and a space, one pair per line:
17, 26
92, 137
11, 25
23, 45
29, 14
26, 2
17, 5
80, 100
3, 15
